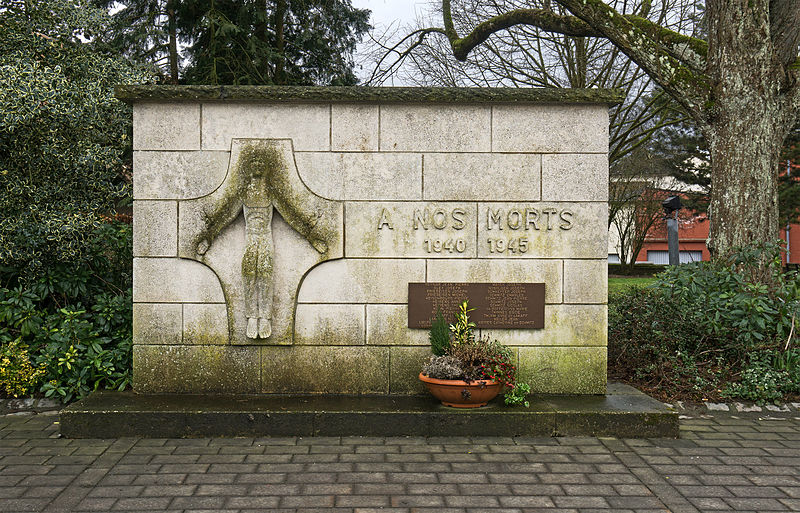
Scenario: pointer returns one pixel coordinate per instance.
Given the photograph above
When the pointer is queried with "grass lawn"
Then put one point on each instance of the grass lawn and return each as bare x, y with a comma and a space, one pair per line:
620, 284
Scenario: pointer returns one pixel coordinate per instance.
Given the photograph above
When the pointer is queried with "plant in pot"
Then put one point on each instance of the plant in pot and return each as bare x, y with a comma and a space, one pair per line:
466, 371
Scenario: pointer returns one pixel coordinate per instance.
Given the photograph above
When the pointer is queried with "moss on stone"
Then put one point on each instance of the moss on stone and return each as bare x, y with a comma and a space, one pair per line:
149, 93
196, 369
564, 370
404, 368
325, 369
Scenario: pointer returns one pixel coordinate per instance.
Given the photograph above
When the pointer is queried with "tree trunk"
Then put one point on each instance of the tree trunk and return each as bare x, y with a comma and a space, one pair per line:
744, 126
280, 43
173, 42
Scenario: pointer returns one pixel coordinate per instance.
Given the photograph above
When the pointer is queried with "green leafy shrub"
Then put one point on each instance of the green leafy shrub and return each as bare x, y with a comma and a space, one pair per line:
710, 329
64, 138
76, 322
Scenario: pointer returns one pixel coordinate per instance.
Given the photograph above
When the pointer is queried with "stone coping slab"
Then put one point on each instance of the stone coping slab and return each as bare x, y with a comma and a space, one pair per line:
358, 94
622, 412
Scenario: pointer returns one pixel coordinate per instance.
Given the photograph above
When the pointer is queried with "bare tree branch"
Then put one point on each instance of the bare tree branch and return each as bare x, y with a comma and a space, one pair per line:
644, 42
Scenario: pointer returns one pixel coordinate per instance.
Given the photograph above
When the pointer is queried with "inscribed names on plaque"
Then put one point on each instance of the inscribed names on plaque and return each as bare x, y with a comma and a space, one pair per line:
497, 305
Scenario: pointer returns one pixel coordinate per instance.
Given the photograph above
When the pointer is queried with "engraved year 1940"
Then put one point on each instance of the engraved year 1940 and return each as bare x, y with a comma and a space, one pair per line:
436, 220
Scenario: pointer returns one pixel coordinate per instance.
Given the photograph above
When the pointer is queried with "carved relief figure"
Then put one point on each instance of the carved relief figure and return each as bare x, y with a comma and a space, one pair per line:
258, 184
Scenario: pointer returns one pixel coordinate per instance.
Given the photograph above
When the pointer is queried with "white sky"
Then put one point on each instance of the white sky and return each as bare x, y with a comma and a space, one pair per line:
385, 13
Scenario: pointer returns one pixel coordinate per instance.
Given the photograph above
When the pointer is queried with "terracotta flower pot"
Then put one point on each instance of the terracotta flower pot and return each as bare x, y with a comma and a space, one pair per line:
462, 394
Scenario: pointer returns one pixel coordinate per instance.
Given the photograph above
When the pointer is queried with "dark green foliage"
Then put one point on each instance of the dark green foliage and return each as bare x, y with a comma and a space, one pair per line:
260, 42
300, 42
770, 375
62, 134
708, 330
439, 335
145, 31
75, 322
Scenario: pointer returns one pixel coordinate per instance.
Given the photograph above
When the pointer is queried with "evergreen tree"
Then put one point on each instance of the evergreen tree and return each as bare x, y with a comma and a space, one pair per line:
246, 42
146, 31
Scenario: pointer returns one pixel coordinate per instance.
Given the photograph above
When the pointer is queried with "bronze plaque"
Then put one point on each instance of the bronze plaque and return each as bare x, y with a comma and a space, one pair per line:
497, 305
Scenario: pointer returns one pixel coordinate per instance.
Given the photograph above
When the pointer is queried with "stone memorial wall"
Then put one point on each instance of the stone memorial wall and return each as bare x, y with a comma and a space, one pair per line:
276, 231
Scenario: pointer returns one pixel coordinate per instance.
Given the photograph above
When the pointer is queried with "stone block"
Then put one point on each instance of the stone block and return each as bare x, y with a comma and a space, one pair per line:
482, 176
563, 370
166, 126
362, 176
196, 369
325, 369
307, 125
542, 230
178, 174
448, 128
205, 324
155, 228
329, 325
157, 323
354, 127
585, 281
174, 280
355, 280
410, 229
550, 128
406, 364
574, 177
500, 271
564, 325
387, 325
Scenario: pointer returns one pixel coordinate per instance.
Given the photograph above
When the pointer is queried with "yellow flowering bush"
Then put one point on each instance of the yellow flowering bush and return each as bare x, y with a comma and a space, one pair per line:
18, 377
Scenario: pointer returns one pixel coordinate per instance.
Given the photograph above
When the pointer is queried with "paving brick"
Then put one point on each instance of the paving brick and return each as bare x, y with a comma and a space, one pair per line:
275, 489
634, 502
322, 501
704, 491
527, 501
209, 478
42, 491
96, 504
710, 503
580, 502
23, 504
116, 491
741, 504
197, 502
249, 502
361, 501
142, 503
475, 501
159, 479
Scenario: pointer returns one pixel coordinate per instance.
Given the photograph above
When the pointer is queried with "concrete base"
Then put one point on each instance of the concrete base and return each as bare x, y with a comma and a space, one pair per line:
623, 412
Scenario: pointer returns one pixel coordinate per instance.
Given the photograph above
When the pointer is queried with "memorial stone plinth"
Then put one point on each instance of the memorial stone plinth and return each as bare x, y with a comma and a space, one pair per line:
277, 230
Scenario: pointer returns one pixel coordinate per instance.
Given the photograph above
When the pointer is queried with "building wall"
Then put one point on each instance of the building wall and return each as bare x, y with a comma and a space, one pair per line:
692, 236
369, 173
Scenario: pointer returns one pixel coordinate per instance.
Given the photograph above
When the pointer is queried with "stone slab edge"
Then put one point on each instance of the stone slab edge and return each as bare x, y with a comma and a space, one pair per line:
355, 94
175, 416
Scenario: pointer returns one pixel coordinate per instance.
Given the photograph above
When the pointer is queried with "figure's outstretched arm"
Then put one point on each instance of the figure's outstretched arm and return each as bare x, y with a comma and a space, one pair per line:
221, 214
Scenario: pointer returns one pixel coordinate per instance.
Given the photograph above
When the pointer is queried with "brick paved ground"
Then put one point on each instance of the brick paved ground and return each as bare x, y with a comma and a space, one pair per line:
721, 463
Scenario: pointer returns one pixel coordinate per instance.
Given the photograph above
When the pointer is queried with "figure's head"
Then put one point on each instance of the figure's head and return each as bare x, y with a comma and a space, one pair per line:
260, 160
